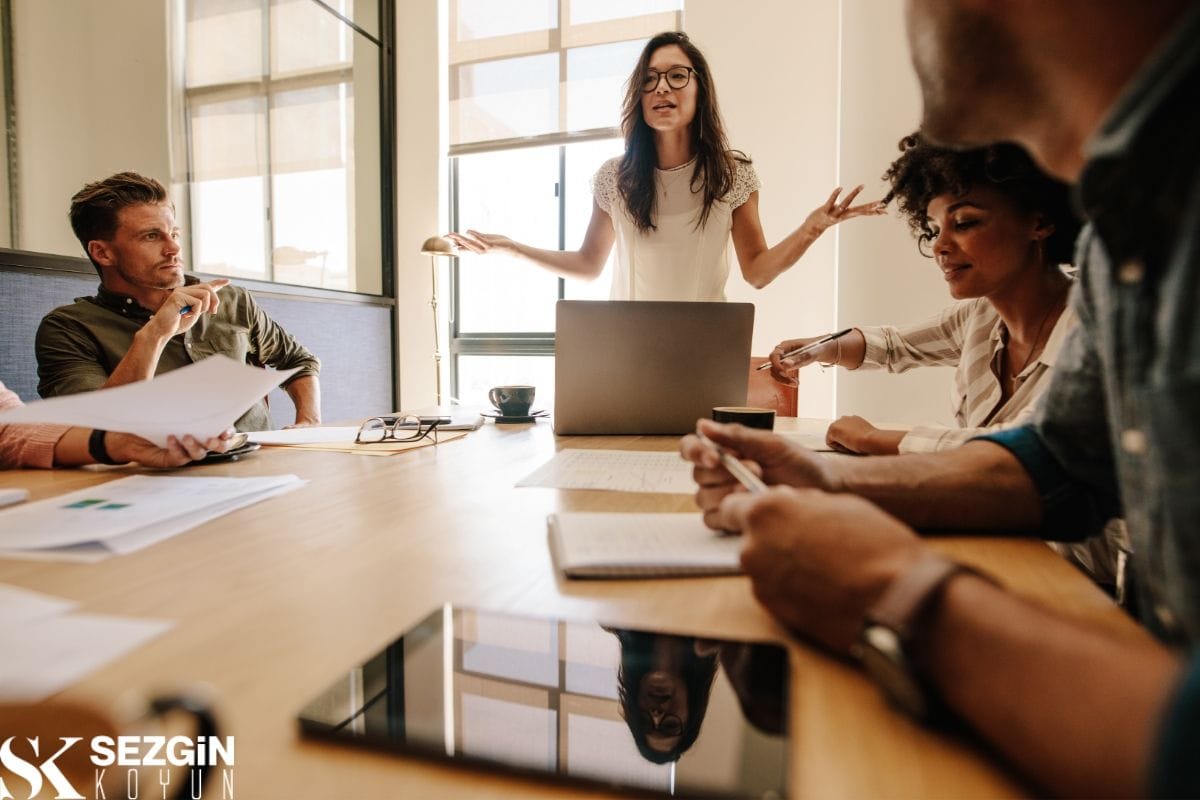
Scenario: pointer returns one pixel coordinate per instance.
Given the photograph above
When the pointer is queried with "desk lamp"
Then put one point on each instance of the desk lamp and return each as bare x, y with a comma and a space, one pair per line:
437, 247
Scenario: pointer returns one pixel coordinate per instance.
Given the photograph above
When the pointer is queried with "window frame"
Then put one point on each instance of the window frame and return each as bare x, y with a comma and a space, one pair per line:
268, 86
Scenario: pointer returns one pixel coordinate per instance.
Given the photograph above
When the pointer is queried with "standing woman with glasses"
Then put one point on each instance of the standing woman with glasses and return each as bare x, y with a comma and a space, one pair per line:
672, 200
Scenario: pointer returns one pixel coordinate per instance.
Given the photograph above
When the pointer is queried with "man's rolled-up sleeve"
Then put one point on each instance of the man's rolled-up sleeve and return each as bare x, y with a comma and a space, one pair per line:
277, 348
1174, 769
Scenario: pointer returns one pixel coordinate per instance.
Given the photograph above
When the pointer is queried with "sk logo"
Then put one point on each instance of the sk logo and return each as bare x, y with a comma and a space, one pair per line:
35, 774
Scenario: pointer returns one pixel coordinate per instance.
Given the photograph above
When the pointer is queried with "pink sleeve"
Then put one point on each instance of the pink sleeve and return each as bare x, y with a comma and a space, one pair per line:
26, 445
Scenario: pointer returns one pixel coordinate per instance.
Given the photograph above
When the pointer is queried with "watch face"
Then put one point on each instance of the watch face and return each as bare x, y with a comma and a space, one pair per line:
883, 659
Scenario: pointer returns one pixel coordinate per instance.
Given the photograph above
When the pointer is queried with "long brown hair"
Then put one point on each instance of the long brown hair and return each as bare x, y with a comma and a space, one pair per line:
715, 163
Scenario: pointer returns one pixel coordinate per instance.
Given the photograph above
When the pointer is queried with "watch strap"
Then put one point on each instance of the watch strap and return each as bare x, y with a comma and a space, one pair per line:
902, 604
98, 450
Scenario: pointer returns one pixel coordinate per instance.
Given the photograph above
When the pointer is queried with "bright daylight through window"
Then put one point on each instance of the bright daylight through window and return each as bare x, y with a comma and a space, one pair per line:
535, 100
283, 129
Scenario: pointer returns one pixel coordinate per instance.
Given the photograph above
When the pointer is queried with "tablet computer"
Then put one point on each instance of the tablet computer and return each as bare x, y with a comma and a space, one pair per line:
644, 711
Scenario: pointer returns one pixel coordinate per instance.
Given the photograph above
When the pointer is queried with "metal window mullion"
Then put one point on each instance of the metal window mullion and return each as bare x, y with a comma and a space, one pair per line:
268, 183
455, 276
562, 211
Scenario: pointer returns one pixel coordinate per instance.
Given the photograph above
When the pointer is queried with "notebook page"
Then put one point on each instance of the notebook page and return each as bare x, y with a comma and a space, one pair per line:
612, 543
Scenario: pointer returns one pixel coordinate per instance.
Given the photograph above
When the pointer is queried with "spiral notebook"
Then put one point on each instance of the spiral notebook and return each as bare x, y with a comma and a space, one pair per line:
614, 545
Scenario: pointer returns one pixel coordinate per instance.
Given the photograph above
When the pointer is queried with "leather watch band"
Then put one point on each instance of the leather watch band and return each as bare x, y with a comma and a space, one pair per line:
97, 449
901, 605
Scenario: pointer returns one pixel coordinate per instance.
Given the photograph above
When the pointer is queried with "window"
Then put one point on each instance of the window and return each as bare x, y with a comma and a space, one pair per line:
535, 98
284, 130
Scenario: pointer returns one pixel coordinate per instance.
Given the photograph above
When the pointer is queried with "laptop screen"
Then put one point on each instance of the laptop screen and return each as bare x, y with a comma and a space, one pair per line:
648, 367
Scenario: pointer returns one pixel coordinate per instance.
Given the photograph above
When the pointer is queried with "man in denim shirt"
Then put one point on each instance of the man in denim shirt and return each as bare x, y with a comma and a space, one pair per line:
1108, 95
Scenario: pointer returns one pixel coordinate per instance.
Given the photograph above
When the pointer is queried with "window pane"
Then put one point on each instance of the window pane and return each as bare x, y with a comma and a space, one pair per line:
583, 160
596, 79
312, 128
482, 19
584, 11
311, 228
512, 193
478, 374
305, 37
228, 198
229, 236
224, 41
504, 99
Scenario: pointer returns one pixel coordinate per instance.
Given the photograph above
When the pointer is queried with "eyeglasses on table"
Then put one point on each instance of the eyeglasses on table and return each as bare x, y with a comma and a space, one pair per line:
407, 428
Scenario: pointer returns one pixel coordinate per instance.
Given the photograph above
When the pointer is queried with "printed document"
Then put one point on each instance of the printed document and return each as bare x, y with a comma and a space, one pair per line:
47, 647
615, 470
127, 514
202, 399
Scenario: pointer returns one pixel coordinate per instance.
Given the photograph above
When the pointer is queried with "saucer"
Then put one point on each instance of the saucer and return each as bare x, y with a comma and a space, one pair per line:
503, 420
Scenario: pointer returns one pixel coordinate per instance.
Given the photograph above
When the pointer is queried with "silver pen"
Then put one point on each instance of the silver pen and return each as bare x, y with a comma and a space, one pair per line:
807, 348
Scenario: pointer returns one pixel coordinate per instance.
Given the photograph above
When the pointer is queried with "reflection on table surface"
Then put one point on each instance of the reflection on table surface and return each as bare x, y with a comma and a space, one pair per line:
573, 699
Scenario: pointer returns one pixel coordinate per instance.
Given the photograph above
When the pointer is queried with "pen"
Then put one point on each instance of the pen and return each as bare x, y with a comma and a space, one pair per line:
736, 468
807, 348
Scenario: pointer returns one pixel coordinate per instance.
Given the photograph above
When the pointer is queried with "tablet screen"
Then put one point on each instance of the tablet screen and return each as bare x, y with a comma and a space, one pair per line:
577, 701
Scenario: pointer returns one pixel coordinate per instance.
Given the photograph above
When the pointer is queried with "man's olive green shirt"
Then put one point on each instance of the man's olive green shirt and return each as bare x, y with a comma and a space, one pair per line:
79, 345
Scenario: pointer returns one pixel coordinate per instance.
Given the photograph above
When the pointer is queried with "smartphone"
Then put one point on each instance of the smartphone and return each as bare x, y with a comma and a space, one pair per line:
239, 445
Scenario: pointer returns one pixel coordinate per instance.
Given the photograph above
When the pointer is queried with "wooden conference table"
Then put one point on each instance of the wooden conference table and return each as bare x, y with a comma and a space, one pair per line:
274, 601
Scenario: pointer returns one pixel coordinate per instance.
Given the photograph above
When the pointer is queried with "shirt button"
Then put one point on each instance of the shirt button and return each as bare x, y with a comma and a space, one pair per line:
1133, 441
1131, 272
1165, 617
128, 300
188, 345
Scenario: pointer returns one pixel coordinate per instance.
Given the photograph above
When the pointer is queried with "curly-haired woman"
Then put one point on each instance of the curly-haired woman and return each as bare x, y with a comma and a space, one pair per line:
999, 230
672, 200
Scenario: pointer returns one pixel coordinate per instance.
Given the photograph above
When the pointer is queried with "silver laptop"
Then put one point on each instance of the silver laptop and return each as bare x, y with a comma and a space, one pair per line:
648, 367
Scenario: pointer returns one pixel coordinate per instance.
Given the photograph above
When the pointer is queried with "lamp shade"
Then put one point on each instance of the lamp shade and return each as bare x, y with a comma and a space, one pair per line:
438, 246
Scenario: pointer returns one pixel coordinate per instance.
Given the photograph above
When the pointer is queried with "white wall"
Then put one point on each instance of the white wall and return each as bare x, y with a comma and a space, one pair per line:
778, 66
775, 68
420, 192
881, 276
88, 124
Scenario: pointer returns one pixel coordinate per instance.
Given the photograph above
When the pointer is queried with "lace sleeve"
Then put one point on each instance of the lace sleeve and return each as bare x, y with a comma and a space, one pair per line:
745, 183
604, 184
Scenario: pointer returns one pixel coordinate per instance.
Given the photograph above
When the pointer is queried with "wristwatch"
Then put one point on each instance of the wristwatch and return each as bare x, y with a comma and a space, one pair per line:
888, 630
97, 449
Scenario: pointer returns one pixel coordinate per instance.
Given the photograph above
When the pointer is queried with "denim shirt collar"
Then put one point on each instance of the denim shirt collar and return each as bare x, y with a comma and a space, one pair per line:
1127, 187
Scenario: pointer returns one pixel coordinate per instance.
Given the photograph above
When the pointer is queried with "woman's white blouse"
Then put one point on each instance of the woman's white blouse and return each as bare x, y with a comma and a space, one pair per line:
676, 260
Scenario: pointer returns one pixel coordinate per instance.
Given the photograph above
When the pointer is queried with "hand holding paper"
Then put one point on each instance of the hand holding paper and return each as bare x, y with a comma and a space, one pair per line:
202, 400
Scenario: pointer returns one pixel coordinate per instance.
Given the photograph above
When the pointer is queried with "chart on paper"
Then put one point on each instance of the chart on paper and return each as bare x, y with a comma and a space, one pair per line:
614, 470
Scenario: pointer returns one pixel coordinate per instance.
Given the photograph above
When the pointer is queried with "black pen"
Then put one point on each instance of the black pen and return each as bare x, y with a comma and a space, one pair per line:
807, 348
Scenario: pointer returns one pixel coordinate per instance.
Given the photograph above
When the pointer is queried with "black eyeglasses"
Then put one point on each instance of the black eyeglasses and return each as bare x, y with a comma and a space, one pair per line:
398, 429
677, 78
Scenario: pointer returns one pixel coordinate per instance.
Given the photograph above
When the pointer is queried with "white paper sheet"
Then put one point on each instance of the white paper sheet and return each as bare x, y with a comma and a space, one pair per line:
21, 605
616, 470
295, 436
125, 515
46, 655
201, 399
808, 432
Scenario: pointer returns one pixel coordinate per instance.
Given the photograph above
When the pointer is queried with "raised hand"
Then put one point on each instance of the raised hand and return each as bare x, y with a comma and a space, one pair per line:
834, 210
482, 243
